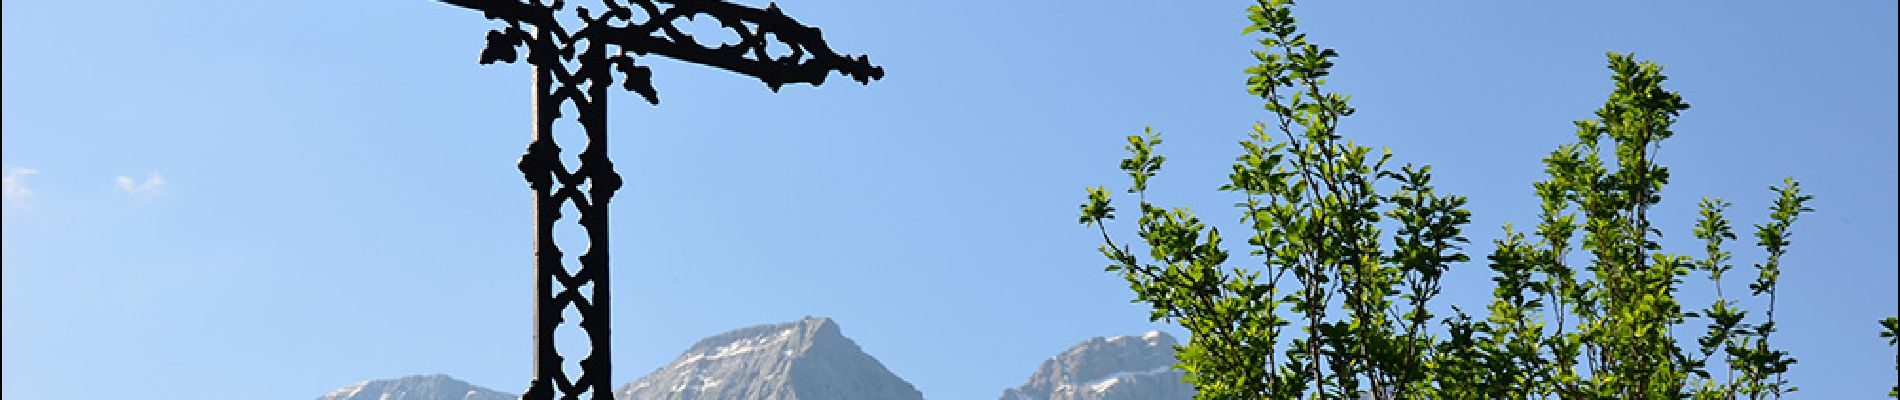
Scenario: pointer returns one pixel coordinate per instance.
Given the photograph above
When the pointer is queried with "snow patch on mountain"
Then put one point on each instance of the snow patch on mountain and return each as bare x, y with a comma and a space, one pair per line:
417, 387
806, 359
1113, 368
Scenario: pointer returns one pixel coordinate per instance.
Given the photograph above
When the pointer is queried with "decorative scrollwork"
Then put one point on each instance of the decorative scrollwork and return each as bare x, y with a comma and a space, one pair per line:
810, 59
574, 67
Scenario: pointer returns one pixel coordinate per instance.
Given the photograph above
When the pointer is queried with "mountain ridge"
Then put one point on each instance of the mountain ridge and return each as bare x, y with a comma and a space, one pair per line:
811, 359
805, 359
1131, 367
415, 387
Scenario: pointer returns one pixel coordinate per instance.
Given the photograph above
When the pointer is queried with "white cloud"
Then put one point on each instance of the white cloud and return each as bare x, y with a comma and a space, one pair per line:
150, 187
13, 185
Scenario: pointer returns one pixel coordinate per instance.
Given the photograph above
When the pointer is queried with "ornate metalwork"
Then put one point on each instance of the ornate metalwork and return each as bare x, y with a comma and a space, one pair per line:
575, 66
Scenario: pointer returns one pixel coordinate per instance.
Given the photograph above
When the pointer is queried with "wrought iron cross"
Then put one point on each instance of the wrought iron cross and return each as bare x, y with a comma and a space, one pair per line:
574, 65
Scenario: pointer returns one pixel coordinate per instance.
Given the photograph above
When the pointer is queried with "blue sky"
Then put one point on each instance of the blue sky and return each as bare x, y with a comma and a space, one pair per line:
231, 199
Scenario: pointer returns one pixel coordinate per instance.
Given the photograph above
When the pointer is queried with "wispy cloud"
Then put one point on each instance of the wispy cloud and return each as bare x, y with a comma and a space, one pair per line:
13, 185
152, 185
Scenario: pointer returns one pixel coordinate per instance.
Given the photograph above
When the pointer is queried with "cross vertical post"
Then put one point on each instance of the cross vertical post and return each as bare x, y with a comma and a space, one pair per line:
574, 67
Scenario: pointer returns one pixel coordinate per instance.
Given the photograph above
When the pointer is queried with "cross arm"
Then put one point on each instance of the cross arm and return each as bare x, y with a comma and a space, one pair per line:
810, 59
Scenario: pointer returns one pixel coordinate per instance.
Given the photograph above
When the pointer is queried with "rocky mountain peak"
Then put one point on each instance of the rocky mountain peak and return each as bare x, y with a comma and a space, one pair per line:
805, 359
415, 387
1109, 368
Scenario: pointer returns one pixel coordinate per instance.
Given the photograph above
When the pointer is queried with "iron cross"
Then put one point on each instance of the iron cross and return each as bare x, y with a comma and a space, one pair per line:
576, 65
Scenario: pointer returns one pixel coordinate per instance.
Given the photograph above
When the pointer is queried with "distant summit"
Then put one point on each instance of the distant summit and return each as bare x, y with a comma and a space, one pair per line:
417, 387
808, 359
811, 359
1114, 368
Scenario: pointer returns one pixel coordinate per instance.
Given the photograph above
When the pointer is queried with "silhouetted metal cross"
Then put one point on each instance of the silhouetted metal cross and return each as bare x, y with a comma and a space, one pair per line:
575, 66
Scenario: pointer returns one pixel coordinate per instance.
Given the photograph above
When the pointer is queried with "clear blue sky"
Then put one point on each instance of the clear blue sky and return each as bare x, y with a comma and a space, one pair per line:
336, 197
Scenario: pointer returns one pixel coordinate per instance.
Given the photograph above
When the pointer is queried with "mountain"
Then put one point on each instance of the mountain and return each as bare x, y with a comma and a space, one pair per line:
1114, 368
808, 359
417, 387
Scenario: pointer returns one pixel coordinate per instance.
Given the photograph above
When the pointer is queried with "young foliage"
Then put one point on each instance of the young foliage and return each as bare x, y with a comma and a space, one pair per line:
1891, 330
1326, 304
1317, 257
